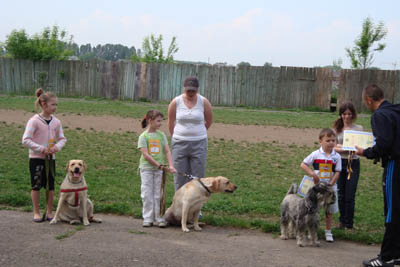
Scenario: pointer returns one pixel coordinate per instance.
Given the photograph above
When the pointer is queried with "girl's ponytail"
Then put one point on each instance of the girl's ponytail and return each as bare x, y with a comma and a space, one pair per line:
151, 115
42, 97
144, 122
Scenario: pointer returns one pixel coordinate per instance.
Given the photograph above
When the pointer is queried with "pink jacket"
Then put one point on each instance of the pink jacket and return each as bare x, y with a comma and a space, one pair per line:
39, 135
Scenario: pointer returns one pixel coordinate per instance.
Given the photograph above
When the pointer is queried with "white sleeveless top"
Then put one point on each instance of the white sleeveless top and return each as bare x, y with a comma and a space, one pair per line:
189, 124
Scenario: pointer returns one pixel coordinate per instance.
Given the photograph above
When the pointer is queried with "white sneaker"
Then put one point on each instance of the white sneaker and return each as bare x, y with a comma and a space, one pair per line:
147, 224
328, 236
162, 224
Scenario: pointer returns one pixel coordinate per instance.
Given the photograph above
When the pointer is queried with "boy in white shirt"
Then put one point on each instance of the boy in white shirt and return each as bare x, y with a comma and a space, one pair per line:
327, 165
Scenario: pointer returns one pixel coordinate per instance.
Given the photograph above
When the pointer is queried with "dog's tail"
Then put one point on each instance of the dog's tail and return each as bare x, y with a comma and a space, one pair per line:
293, 189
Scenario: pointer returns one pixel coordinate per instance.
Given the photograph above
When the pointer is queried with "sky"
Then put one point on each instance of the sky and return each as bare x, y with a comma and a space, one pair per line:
304, 33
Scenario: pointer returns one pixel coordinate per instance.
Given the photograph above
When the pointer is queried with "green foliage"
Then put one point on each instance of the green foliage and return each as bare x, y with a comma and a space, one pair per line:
361, 55
152, 50
111, 52
243, 63
50, 44
267, 64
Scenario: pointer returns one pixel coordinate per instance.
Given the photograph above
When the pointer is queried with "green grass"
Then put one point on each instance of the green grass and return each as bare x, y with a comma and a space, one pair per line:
245, 116
69, 233
263, 173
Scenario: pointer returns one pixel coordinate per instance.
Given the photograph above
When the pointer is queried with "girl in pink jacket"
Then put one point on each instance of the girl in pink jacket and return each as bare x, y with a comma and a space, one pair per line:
44, 137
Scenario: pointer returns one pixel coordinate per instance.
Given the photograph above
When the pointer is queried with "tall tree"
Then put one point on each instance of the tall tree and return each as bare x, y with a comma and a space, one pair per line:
153, 51
361, 55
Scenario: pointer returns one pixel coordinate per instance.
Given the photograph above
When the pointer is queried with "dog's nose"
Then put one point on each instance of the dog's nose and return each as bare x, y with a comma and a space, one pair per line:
235, 187
76, 170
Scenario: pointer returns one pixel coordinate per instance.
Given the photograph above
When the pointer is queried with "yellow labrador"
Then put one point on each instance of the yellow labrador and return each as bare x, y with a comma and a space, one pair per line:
73, 204
191, 197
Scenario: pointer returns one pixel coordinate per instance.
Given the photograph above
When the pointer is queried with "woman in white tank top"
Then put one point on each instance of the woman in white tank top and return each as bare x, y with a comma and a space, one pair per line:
189, 117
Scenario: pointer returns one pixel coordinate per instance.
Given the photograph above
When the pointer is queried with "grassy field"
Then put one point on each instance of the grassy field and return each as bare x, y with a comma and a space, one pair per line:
263, 172
245, 116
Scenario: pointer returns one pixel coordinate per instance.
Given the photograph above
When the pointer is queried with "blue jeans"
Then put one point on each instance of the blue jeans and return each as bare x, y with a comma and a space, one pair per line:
347, 192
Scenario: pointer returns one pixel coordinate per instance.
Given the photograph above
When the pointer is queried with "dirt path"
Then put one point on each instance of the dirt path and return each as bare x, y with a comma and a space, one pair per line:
121, 241
251, 133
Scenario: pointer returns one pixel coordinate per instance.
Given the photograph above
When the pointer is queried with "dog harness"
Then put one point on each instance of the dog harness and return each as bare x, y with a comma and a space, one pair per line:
76, 193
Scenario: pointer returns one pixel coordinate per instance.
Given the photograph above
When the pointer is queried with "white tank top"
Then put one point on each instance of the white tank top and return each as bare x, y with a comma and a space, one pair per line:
189, 124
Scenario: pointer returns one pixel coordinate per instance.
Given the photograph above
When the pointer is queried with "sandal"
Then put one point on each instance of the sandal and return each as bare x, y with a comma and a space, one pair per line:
38, 220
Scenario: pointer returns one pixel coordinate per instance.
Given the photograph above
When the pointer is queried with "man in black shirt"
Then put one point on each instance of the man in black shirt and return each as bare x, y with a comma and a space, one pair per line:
385, 123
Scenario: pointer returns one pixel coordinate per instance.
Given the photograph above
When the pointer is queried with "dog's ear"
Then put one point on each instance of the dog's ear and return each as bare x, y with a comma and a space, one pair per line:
66, 167
84, 164
214, 185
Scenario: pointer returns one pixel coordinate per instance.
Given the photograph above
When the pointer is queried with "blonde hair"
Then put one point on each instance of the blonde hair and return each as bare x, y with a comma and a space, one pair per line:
43, 97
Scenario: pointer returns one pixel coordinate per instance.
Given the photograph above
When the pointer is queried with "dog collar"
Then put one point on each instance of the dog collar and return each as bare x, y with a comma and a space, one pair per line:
205, 187
76, 193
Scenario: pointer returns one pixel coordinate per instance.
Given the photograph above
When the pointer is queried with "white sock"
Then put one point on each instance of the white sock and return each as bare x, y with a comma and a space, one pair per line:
328, 232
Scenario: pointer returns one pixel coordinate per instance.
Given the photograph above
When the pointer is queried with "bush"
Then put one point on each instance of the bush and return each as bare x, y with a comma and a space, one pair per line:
50, 44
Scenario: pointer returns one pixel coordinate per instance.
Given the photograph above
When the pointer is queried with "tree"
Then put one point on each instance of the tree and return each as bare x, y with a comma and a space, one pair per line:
50, 44
267, 64
243, 63
152, 50
361, 55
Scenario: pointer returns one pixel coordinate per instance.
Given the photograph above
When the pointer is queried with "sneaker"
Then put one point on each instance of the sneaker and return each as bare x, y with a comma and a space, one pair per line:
162, 224
147, 224
378, 262
328, 237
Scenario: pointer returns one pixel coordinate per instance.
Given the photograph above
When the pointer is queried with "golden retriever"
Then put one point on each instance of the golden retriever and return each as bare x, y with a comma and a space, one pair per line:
74, 204
191, 197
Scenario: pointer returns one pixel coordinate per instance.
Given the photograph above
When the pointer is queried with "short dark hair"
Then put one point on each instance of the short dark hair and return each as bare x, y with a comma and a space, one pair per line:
374, 91
326, 132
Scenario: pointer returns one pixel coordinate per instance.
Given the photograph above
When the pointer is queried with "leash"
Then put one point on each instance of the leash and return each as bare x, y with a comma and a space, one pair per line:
349, 161
162, 189
191, 177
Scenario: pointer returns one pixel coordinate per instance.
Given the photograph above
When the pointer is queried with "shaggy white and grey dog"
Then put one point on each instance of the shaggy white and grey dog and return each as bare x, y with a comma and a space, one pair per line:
299, 215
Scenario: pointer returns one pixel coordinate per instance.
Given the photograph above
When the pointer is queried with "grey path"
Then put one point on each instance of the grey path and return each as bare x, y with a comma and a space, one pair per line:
121, 241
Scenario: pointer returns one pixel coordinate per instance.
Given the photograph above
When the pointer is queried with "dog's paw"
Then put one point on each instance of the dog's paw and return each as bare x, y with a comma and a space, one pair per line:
54, 221
316, 244
75, 222
86, 223
197, 228
300, 245
186, 230
95, 220
283, 237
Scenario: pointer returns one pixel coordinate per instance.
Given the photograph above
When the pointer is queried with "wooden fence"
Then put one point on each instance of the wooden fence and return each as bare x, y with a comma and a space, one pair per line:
352, 82
281, 87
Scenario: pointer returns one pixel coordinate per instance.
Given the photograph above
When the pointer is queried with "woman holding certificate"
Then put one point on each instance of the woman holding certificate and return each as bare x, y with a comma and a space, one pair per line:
348, 179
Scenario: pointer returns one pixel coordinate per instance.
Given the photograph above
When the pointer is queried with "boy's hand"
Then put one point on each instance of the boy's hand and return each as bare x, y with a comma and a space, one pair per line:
315, 179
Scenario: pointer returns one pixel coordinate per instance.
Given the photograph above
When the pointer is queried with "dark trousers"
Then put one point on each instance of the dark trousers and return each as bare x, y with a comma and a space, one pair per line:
347, 192
390, 248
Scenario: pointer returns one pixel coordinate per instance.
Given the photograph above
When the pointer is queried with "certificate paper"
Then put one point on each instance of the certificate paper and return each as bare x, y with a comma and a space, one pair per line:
305, 185
357, 138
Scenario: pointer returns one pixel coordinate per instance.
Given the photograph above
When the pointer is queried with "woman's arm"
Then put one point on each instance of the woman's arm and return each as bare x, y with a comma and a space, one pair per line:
168, 154
172, 116
208, 113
